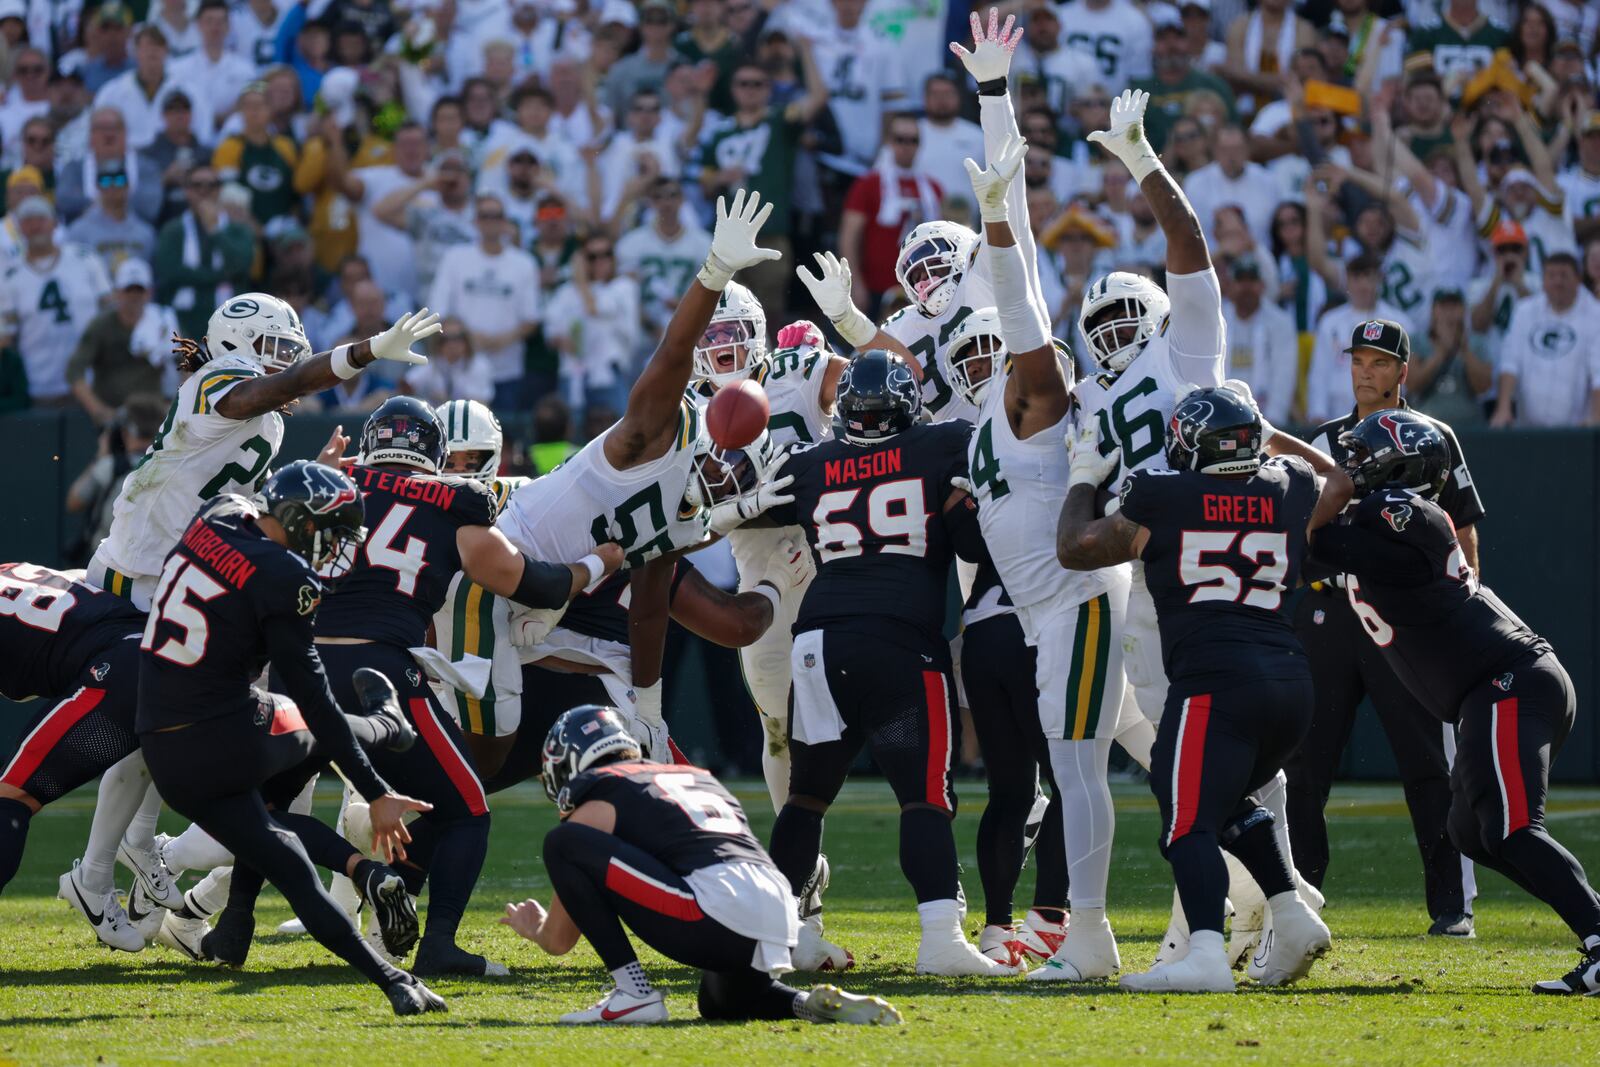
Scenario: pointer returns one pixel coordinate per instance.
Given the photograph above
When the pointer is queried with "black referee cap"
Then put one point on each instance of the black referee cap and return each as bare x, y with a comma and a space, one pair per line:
1383, 335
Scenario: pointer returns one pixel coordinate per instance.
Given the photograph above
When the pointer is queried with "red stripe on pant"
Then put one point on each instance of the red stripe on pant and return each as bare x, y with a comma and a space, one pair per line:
460, 775
1188, 762
663, 900
286, 718
37, 745
938, 782
1508, 766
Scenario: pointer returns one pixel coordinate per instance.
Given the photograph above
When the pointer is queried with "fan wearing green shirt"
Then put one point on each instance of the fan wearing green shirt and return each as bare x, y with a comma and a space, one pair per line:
1173, 81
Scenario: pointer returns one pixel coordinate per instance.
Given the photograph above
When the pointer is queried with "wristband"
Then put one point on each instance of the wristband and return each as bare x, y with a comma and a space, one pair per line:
1267, 431
342, 367
766, 588
993, 87
1142, 162
854, 326
715, 274
596, 567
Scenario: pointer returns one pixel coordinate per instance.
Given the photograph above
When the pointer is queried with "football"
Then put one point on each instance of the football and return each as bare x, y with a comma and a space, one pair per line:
737, 414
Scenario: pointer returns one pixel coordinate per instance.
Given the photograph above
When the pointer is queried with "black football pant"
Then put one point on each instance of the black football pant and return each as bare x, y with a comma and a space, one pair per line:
1511, 727
898, 702
1345, 667
604, 882
222, 773
70, 743
1214, 748
997, 671
438, 769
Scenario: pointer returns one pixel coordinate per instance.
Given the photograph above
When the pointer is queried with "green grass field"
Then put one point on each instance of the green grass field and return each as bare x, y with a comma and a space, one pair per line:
1386, 994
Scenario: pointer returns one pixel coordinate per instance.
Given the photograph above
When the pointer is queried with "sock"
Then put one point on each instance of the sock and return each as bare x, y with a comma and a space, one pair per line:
1206, 943
457, 861
14, 818
1202, 879
940, 918
775, 769
301, 805
1257, 847
122, 790
245, 887
632, 980
1274, 796
1080, 774
1541, 859
1135, 733
209, 895
796, 842
1000, 850
141, 831
195, 850
928, 855
325, 847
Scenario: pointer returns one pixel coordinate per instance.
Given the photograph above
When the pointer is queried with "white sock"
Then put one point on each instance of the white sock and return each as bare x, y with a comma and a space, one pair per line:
195, 850
1180, 921
122, 790
775, 769
1080, 772
632, 980
141, 831
210, 894
301, 804
1280, 903
1206, 943
940, 918
1086, 917
1274, 796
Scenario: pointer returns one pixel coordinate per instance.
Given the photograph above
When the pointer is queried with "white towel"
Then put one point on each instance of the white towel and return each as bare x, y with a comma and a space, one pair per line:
893, 204
469, 674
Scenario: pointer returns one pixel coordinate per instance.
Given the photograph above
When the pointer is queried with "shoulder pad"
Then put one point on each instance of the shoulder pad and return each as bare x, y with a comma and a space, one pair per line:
474, 501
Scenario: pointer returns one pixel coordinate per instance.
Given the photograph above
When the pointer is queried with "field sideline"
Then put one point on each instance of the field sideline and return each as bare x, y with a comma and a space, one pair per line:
1384, 995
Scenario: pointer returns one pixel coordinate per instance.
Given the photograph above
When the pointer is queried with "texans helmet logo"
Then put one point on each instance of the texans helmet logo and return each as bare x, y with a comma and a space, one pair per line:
100, 670
307, 600
1503, 683
414, 677
1397, 516
1403, 434
1372, 331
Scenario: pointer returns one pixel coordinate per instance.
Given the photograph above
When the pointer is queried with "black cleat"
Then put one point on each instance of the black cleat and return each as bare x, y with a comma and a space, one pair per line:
1454, 924
410, 997
384, 892
379, 700
229, 940
1582, 981
438, 956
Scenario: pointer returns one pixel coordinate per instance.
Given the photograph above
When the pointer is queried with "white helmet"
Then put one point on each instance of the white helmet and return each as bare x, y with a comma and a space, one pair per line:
933, 259
720, 474
738, 322
470, 426
975, 353
1138, 303
260, 327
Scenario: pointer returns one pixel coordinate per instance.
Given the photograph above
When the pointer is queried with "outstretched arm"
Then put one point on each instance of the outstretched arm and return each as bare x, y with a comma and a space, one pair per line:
1186, 241
1083, 542
830, 288
496, 564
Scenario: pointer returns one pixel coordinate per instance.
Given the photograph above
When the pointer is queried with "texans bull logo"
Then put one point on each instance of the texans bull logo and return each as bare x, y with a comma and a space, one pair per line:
307, 600
99, 671
1503, 683
1397, 516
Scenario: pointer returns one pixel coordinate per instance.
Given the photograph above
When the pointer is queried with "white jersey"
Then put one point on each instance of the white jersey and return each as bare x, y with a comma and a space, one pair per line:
1408, 276
664, 266
925, 337
1020, 486
862, 72
1582, 193
1117, 36
46, 311
196, 455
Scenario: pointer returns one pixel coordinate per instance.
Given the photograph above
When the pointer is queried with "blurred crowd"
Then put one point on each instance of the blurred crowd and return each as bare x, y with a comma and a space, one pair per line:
542, 173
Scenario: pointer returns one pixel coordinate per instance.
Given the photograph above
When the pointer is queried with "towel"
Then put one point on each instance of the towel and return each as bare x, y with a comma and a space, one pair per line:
893, 204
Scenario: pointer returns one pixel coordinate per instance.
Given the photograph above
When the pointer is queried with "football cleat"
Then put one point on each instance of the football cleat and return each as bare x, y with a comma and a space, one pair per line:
957, 957
438, 956
410, 997
1458, 924
1295, 939
1197, 972
1175, 942
810, 895
378, 700
144, 913
1088, 952
1582, 980
229, 941
103, 911
617, 1008
1039, 935
292, 928
816, 953
1000, 944
385, 893
184, 936
830, 1004
1249, 914
160, 885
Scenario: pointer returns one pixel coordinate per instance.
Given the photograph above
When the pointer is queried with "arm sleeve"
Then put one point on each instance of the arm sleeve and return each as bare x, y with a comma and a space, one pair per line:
999, 123
966, 535
543, 585
1195, 334
1353, 549
295, 658
1137, 501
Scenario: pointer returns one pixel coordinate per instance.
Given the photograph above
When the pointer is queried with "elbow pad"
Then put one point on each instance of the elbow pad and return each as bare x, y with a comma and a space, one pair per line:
543, 585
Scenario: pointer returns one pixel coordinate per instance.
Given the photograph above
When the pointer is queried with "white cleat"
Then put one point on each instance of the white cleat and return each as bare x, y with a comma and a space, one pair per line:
1249, 915
104, 912
958, 958
1040, 936
1175, 942
1088, 952
816, 953
617, 1008
160, 885
1294, 938
1000, 944
1310, 894
830, 1004
183, 935
292, 927
144, 913
1197, 972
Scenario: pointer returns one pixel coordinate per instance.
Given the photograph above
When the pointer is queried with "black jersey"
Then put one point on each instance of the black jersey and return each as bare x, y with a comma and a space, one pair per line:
874, 518
402, 574
1440, 629
679, 814
51, 625
1221, 554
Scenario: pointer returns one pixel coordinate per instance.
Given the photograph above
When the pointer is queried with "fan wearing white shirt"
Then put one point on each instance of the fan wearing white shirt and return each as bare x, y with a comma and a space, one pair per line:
1113, 33
221, 73
1064, 72
455, 372
494, 287
28, 97
254, 34
593, 321
1263, 347
662, 254
534, 110
47, 298
139, 93
862, 72
947, 138
638, 153
1328, 390
1550, 365
1231, 178
1581, 181
536, 40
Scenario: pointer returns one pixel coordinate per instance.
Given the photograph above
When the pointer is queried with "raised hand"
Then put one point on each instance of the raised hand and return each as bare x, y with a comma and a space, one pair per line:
990, 58
733, 242
800, 333
830, 288
1088, 466
990, 184
395, 342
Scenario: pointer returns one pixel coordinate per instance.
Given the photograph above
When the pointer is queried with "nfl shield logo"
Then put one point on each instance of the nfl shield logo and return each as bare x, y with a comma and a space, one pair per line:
811, 660
1318, 616
1372, 331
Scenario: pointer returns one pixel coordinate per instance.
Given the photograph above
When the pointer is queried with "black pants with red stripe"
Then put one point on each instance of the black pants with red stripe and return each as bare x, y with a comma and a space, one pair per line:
604, 882
1214, 749
438, 769
1511, 727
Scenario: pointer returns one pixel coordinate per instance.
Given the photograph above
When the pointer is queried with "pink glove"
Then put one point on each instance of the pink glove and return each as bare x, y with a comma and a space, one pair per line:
798, 334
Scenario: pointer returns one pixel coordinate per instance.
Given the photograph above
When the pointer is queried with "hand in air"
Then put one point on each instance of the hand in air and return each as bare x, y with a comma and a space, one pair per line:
990, 183
1089, 467
830, 286
733, 242
395, 342
1125, 138
333, 451
789, 565
990, 57
802, 333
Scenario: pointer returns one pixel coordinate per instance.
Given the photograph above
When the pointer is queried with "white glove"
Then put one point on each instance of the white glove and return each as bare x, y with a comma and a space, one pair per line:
990, 57
395, 342
789, 565
830, 288
990, 184
1241, 388
731, 514
1126, 139
1089, 467
963, 484
733, 242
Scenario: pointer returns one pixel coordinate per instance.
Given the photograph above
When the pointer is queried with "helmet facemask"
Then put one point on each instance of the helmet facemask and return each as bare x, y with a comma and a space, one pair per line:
930, 271
721, 474
479, 464
333, 551
975, 365
1117, 332
728, 351
278, 351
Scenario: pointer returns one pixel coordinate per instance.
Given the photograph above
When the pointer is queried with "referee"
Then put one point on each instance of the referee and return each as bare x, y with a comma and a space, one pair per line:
1346, 666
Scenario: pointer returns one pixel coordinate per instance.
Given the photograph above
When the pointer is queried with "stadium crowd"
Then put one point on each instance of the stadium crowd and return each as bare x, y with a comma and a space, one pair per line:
541, 172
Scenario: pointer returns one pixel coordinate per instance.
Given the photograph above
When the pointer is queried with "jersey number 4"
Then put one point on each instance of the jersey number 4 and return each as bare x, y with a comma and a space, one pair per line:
897, 519
183, 587
1216, 581
386, 548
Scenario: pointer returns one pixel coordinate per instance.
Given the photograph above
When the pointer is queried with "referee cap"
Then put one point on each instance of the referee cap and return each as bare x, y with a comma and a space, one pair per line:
1382, 335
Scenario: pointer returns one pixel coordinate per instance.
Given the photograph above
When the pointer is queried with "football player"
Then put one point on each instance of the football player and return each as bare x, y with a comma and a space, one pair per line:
239, 590
636, 483
1470, 660
425, 528
221, 433
1222, 534
666, 849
